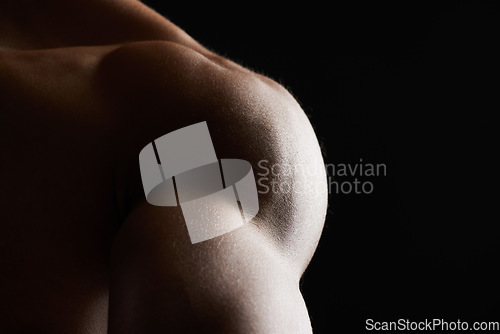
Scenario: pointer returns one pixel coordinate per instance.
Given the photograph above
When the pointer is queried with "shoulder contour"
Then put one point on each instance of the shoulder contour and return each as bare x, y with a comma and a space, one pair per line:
249, 117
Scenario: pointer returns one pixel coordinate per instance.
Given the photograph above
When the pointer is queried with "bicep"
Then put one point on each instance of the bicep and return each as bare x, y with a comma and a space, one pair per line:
235, 283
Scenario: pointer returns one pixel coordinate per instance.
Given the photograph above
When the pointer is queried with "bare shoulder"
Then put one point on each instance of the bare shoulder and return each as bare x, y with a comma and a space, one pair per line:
167, 86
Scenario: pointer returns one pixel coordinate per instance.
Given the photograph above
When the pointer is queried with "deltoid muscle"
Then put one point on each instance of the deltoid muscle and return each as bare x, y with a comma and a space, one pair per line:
188, 167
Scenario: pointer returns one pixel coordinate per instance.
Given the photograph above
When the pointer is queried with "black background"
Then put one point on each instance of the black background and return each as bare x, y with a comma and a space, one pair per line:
409, 85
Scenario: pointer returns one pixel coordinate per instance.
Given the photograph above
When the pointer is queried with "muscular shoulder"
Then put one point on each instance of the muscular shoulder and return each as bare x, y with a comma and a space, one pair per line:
163, 86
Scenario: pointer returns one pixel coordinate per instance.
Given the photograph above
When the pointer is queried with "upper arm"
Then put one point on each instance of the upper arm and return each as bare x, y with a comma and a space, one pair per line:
245, 280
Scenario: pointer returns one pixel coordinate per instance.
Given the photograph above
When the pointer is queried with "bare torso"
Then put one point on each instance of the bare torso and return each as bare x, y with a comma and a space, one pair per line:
70, 134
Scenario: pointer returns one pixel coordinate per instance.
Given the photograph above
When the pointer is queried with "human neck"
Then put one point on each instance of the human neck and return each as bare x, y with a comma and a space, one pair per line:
37, 24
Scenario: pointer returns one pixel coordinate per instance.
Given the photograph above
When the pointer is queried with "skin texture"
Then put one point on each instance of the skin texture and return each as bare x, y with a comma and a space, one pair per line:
81, 249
